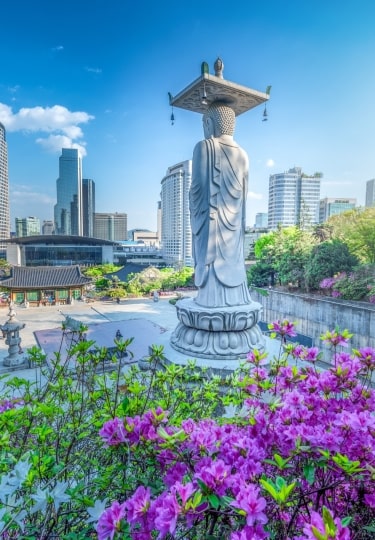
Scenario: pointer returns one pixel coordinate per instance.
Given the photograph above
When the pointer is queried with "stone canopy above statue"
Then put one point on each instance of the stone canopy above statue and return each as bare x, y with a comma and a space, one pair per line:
207, 89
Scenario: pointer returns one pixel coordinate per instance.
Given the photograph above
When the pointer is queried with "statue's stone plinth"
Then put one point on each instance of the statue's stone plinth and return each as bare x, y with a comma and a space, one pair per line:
219, 333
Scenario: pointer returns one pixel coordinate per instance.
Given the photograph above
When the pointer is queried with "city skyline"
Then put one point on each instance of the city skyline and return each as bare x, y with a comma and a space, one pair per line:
106, 93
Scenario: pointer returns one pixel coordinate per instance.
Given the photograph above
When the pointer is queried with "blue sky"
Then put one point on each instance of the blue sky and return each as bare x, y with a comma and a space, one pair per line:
96, 73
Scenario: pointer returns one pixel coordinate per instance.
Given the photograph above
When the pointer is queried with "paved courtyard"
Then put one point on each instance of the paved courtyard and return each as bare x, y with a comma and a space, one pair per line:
142, 319
148, 322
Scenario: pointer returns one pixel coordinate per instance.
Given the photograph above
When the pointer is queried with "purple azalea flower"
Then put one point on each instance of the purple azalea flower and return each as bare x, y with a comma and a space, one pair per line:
8, 404
138, 505
249, 501
283, 328
312, 354
215, 475
250, 533
166, 510
366, 356
184, 491
336, 337
175, 474
327, 283
109, 521
336, 294
113, 432
341, 533
257, 358
370, 500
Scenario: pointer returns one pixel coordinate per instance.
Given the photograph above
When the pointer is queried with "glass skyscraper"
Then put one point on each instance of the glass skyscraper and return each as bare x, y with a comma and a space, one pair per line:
370, 193
68, 209
4, 192
29, 226
88, 206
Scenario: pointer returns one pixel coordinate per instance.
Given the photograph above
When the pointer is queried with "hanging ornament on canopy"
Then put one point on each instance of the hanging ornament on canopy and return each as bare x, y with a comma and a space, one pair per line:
172, 113
265, 113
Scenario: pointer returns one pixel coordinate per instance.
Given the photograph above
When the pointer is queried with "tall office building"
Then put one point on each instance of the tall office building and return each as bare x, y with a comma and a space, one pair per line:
112, 227
370, 193
4, 192
68, 209
29, 226
293, 199
176, 238
48, 227
88, 206
331, 207
261, 220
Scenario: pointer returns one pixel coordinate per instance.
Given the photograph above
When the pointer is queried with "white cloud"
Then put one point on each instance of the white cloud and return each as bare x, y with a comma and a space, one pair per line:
60, 123
93, 70
54, 143
336, 183
13, 89
58, 48
270, 163
23, 194
252, 195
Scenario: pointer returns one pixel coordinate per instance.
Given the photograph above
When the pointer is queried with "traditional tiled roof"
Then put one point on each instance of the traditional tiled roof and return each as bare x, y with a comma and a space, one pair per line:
39, 277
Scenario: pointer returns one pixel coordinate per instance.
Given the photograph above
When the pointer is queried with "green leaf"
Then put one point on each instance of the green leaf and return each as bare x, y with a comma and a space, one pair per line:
317, 534
214, 500
328, 521
125, 405
280, 482
309, 473
270, 488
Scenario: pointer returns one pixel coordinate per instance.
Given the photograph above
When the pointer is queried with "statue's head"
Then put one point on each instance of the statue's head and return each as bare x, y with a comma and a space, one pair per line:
219, 120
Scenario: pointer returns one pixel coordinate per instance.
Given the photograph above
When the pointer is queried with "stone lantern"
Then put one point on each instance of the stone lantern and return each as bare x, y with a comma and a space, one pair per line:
11, 333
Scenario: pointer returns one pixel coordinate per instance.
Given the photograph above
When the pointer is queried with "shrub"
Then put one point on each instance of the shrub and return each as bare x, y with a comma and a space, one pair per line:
358, 285
150, 454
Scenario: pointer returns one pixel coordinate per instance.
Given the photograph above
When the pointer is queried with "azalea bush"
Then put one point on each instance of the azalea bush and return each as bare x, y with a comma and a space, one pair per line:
280, 449
55, 472
357, 285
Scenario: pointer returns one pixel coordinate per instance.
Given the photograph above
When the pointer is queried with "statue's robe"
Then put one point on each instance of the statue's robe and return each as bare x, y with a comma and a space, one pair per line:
217, 210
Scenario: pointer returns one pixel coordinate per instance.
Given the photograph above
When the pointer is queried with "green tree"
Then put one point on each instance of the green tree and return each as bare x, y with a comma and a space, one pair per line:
260, 274
357, 229
326, 260
263, 244
290, 254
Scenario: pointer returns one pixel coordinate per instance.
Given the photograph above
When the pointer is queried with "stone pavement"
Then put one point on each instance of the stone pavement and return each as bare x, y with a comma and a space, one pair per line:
148, 322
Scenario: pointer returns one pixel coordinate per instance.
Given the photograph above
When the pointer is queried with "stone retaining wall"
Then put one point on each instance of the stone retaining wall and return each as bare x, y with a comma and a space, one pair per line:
314, 316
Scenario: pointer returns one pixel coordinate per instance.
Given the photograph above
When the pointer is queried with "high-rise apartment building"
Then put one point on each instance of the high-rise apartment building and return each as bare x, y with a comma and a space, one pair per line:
331, 207
370, 193
68, 209
293, 199
29, 226
176, 238
112, 227
158, 221
4, 192
88, 206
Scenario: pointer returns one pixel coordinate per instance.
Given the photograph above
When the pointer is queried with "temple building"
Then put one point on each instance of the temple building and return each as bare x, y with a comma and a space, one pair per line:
38, 286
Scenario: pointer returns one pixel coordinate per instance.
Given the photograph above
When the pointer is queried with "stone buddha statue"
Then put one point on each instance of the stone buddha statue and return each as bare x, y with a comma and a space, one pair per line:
217, 209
